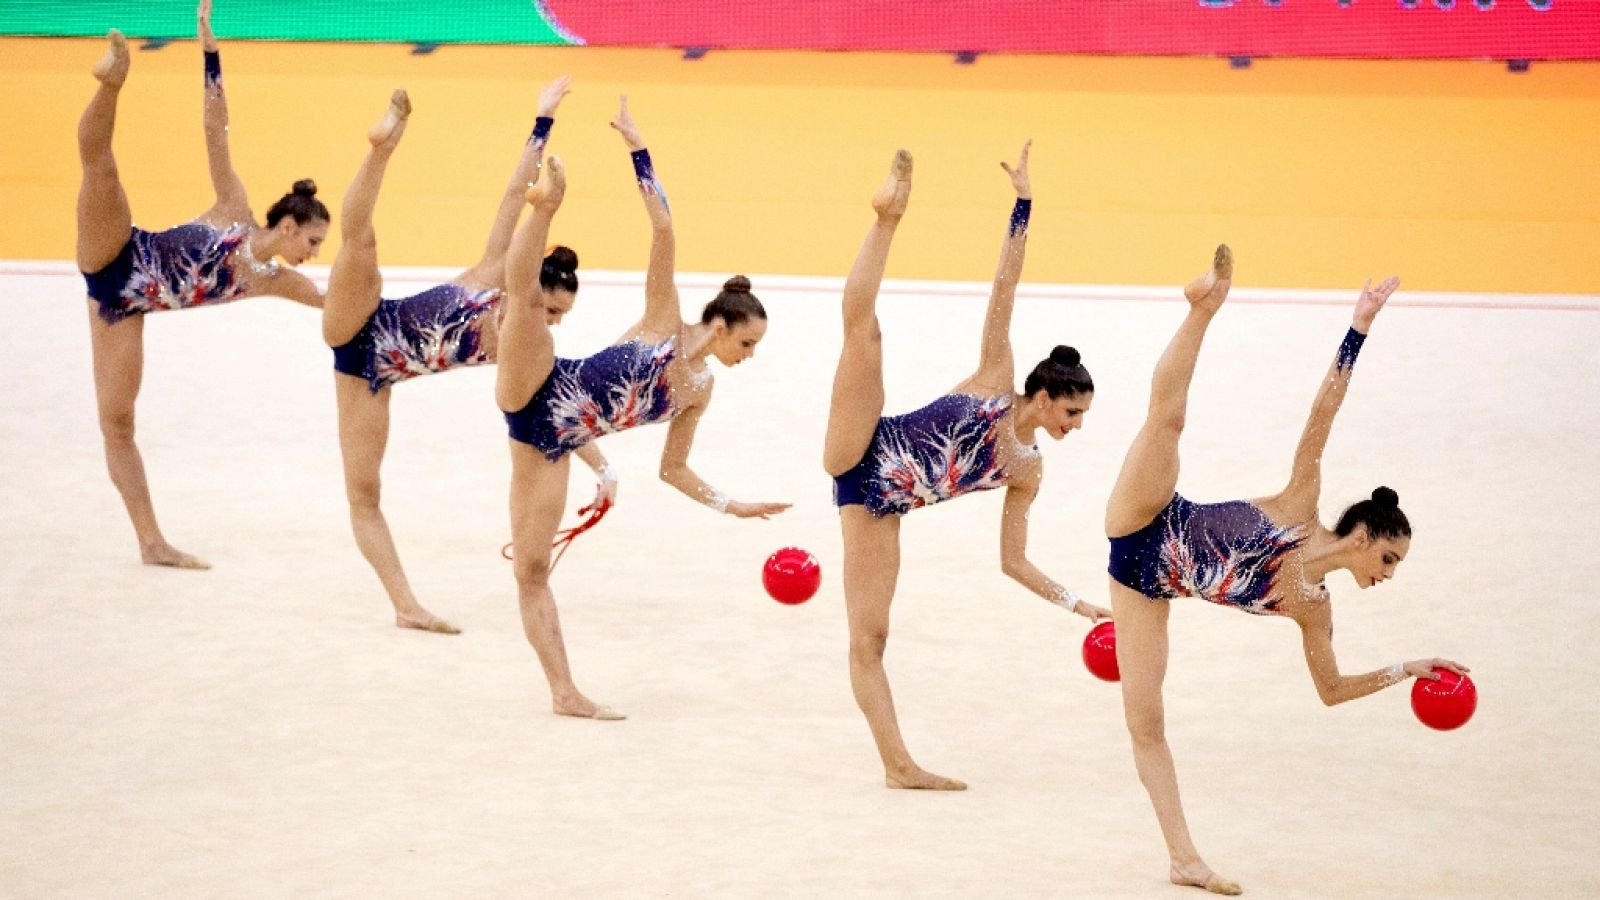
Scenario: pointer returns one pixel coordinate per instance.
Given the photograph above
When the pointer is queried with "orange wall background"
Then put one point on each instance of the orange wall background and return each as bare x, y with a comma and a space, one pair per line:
1458, 175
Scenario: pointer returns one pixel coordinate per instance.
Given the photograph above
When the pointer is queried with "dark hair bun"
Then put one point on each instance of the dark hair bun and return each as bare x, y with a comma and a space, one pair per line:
1380, 515
1066, 356
562, 259
305, 187
738, 284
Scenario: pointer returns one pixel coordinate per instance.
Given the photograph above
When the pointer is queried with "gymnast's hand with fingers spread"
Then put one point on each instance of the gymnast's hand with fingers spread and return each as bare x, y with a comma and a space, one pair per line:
208, 40
553, 94
1371, 302
1424, 668
623, 123
1019, 175
755, 510
1091, 612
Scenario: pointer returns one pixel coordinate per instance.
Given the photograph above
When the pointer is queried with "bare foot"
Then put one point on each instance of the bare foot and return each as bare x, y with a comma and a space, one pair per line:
1200, 875
1210, 289
1222, 262
891, 200
422, 620
549, 189
916, 779
164, 554
112, 69
393, 124
582, 707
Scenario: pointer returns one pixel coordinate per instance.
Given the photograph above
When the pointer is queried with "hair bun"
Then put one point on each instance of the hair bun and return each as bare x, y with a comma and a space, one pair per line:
305, 187
1066, 356
562, 259
738, 284
1386, 497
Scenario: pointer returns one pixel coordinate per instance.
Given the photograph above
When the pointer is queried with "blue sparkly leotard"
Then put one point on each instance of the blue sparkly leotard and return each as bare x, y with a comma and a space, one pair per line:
945, 449
190, 265
438, 329
621, 387
1226, 553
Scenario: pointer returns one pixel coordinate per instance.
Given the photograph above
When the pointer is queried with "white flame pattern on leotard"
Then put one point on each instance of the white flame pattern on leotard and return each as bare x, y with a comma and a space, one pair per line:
1193, 563
912, 470
414, 336
637, 394
190, 265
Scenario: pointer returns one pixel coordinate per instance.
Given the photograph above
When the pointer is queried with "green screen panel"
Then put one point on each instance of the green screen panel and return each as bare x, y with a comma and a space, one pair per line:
403, 21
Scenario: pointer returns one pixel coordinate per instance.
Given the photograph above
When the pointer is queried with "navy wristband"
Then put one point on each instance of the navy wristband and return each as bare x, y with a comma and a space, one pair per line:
213, 67
1349, 349
642, 167
541, 128
1020, 214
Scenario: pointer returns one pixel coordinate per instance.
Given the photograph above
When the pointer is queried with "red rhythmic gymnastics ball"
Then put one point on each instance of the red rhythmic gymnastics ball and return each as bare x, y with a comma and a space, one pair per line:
791, 575
1100, 651
1444, 704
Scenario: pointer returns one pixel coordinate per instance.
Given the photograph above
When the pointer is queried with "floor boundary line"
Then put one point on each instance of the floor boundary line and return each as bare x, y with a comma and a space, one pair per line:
423, 275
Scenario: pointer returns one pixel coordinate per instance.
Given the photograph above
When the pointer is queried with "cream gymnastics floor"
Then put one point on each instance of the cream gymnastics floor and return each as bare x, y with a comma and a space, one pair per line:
261, 730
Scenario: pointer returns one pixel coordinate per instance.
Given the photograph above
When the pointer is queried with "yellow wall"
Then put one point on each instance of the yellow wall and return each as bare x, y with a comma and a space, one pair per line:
1458, 175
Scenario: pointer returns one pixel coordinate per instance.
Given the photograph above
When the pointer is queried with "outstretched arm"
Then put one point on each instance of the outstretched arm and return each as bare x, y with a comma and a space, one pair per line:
1014, 562
676, 472
297, 287
661, 312
995, 363
527, 350
232, 202
1306, 477
1316, 634
527, 171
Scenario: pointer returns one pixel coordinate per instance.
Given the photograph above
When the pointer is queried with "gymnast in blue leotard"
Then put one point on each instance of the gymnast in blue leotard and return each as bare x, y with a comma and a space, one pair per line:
445, 327
656, 372
378, 343
1225, 553
977, 437
1267, 556
623, 386
220, 256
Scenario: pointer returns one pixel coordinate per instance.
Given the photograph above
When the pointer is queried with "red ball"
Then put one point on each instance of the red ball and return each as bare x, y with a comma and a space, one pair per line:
1100, 651
791, 575
1444, 704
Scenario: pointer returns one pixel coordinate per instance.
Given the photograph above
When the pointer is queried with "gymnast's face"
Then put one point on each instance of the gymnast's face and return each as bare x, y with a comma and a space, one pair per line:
1377, 558
734, 344
1060, 415
298, 243
557, 303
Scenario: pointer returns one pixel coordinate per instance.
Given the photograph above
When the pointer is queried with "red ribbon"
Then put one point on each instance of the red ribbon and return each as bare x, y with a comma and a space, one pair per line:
564, 538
